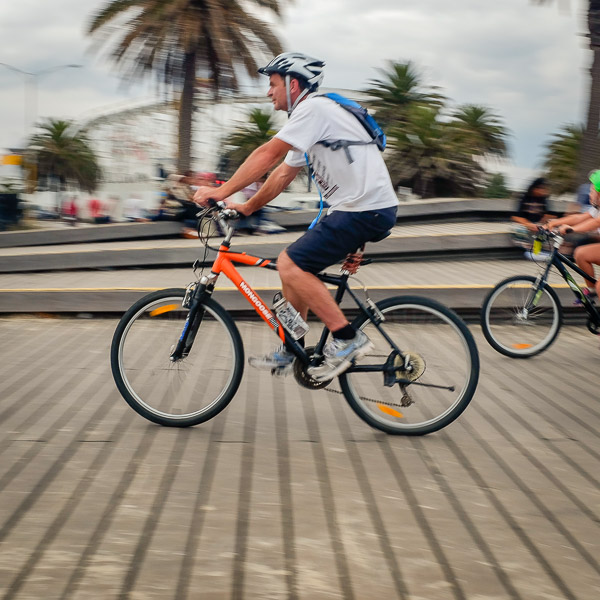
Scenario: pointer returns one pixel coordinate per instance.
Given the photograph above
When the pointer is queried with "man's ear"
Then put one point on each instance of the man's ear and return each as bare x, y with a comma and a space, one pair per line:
294, 85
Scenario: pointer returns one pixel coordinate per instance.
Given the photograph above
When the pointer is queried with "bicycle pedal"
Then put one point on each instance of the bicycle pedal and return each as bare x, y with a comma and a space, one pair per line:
281, 371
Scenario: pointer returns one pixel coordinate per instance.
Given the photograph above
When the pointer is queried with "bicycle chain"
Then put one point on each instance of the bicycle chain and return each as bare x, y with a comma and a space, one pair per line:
375, 401
364, 398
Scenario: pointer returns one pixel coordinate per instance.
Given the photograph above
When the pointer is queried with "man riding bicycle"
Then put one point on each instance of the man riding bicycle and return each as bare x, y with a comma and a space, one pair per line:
355, 182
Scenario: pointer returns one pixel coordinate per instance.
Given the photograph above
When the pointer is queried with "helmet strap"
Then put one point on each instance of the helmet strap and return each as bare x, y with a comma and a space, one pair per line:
290, 106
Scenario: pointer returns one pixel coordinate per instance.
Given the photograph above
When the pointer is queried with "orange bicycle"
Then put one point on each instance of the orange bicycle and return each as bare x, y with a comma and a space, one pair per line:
177, 356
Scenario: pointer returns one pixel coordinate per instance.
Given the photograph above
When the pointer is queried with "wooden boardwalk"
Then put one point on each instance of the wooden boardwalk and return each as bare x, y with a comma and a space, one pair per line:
287, 494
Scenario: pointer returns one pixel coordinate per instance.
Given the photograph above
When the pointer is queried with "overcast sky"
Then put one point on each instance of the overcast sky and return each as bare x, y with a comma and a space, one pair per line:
528, 63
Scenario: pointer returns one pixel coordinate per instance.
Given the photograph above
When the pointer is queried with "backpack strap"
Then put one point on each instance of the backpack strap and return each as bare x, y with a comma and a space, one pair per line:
337, 144
364, 118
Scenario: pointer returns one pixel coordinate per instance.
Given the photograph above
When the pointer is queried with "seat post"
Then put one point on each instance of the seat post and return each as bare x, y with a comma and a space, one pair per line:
353, 261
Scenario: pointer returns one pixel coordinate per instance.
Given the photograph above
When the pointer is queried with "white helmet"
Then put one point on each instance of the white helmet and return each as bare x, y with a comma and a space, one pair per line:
297, 65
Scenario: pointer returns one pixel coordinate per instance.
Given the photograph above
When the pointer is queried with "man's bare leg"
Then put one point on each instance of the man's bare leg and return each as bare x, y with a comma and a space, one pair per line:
304, 290
585, 257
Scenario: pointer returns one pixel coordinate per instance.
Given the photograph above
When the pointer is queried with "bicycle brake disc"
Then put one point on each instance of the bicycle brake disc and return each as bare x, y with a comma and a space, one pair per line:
303, 378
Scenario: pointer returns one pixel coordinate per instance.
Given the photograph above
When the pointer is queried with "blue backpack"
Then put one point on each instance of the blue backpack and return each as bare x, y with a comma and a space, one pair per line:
364, 118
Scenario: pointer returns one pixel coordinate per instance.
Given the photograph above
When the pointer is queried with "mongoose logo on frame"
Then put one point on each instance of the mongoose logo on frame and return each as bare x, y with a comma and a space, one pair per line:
256, 301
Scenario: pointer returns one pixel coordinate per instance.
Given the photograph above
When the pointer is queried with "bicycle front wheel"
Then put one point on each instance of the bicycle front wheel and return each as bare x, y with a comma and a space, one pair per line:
190, 390
520, 318
435, 382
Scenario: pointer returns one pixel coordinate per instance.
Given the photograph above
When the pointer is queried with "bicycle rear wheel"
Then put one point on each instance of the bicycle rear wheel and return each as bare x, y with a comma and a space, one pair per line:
444, 367
520, 319
190, 390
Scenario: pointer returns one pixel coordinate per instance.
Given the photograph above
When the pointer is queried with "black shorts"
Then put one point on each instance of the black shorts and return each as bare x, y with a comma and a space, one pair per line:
338, 234
581, 239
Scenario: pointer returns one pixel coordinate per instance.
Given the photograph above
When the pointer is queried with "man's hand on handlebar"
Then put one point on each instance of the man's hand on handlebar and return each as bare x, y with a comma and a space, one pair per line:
563, 229
205, 192
240, 208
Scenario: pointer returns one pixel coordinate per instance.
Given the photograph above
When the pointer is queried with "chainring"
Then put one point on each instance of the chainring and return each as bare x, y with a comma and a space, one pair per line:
593, 327
303, 378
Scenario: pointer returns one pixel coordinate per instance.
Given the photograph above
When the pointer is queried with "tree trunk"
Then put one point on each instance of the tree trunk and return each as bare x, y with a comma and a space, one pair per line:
589, 157
186, 113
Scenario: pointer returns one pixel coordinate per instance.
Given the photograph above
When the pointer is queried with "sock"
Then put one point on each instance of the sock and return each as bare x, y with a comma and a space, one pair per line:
345, 333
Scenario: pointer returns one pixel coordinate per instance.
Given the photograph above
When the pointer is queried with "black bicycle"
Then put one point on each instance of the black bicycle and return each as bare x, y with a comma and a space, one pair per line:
177, 356
522, 315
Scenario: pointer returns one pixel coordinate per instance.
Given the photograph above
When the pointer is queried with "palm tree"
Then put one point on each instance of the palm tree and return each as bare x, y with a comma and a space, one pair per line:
480, 129
60, 152
426, 155
180, 39
562, 158
589, 155
242, 142
400, 87
496, 187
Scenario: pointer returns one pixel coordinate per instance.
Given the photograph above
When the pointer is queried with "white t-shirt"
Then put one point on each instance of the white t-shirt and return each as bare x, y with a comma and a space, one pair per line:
594, 212
361, 185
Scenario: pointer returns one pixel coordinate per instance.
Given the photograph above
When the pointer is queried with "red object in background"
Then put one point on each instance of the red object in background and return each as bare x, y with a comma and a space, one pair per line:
95, 208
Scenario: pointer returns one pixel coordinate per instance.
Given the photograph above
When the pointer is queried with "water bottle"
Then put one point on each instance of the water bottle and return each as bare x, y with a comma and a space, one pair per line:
289, 317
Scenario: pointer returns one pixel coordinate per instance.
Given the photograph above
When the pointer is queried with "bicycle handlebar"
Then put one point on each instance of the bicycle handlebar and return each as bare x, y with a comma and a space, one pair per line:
544, 235
219, 206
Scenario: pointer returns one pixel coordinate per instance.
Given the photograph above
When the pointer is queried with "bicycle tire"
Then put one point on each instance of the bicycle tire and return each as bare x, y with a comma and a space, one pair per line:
191, 390
432, 333
514, 331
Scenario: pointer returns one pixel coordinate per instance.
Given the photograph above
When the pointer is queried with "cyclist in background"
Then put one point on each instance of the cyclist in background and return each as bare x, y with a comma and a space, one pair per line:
582, 228
357, 188
587, 255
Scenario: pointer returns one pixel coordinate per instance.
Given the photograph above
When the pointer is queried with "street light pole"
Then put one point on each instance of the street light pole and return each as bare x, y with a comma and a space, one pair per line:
30, 80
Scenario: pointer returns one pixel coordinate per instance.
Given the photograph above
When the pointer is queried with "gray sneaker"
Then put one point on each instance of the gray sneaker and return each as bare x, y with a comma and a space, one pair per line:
280, 358
339, 355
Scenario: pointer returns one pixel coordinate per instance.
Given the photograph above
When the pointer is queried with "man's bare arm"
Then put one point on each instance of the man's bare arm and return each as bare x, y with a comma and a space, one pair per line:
254, 167
591, 224
279, 179
568, 220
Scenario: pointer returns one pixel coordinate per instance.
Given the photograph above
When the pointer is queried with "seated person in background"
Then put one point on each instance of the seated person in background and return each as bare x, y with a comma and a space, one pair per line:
583, 196
251, 223
133, 209
70, 210
533, 206
182, 188
583, 228
97, 212
532, 211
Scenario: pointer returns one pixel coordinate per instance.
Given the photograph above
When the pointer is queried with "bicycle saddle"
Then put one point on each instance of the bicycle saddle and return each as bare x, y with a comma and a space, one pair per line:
381, 236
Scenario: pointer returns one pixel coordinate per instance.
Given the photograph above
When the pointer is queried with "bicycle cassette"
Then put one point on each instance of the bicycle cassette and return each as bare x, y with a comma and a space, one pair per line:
407, 369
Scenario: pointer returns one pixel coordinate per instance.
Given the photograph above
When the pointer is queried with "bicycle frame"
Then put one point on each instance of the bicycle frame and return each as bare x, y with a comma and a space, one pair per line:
559, 261
224, 263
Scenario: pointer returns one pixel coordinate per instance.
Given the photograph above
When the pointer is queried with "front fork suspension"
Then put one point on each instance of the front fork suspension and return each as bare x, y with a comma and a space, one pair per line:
195, 294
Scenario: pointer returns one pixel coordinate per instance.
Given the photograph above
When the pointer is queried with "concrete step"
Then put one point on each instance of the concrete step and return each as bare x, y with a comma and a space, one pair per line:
459, 284
436, 209
406, 242
60, 234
